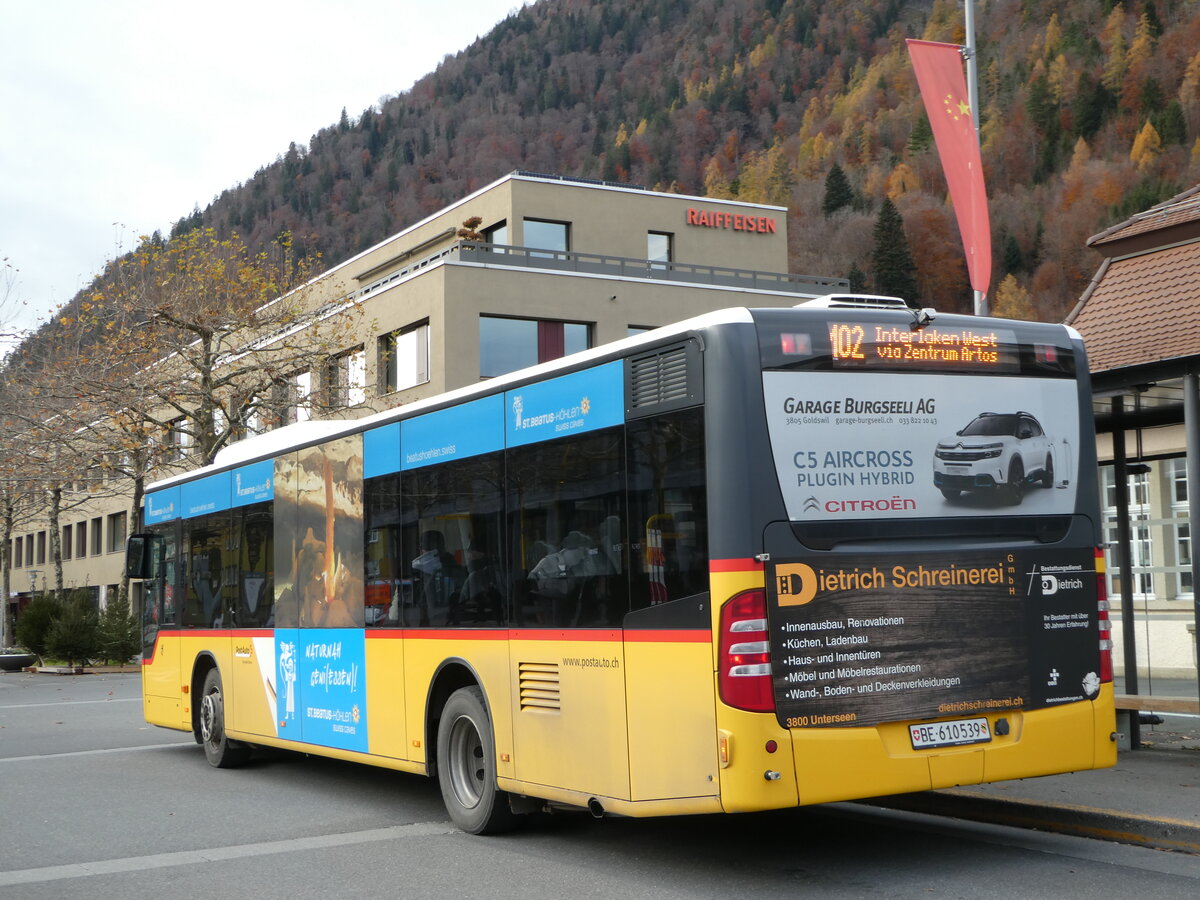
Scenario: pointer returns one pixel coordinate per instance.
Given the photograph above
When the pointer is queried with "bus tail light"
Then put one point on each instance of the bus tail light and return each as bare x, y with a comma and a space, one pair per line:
1106, 664
744, 661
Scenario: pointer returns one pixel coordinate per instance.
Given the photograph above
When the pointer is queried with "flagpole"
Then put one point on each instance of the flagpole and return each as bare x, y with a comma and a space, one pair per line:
981, 304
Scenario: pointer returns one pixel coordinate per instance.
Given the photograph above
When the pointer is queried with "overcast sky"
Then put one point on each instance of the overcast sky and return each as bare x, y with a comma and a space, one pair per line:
118, 117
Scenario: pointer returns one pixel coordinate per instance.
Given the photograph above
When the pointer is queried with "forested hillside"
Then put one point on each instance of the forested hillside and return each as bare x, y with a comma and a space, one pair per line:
1091, 112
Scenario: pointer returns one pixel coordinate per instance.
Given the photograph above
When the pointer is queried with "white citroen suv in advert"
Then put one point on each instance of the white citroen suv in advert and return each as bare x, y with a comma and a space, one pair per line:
1002, 452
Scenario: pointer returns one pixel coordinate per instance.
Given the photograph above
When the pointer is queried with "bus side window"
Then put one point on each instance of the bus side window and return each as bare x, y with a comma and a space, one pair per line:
667, 508
565, 507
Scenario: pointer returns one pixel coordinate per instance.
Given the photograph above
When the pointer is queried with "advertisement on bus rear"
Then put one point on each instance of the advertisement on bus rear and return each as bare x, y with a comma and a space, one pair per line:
868, 638
852, 445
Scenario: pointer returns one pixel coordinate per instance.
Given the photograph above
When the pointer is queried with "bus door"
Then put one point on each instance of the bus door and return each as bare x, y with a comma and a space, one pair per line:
567, 659
160, 620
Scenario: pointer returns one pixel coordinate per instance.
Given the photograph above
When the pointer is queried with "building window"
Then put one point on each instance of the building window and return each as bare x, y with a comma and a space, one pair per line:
546, 235
496, 234
1179, 524
179, 440
259, 418
346, 378
41, 548
506, 345
29, 549
66, 542
631, 330
116, 532
18, 556
404, 358
659, 246
292, 398
97, 536
81, 545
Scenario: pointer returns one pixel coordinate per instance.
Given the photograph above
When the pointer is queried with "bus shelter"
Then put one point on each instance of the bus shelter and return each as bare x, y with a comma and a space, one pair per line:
1141, 323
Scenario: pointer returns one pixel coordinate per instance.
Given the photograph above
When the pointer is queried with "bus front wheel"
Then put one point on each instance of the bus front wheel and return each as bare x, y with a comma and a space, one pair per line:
466, 761
221, 752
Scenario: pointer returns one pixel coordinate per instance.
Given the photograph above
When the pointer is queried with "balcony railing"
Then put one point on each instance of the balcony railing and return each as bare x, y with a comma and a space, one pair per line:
617, 267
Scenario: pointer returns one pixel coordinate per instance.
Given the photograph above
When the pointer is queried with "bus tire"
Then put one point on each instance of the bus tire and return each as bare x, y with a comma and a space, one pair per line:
221, 751
466, 764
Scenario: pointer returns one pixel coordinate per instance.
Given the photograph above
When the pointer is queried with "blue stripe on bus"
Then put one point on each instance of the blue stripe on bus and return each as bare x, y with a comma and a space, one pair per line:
381, 450
456, 433
254, 483
162, 506
207, 495
570, 404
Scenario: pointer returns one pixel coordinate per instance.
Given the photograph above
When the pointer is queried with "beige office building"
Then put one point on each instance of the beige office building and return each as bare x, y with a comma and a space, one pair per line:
558, 265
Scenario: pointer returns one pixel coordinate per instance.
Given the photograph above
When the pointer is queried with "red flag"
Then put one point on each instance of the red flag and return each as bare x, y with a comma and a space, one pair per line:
939, 69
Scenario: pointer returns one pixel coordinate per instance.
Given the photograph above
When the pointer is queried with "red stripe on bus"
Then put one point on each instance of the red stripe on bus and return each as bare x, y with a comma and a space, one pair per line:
439, 634
749, 564
562, 634
641, 636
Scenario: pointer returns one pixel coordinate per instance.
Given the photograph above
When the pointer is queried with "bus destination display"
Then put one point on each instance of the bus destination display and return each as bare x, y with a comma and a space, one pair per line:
863, 345
851, 638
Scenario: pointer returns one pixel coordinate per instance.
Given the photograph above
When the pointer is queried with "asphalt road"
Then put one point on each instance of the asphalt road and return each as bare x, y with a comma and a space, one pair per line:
94, 803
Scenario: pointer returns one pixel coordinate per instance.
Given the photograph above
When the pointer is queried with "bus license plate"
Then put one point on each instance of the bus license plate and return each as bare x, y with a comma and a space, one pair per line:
950, 734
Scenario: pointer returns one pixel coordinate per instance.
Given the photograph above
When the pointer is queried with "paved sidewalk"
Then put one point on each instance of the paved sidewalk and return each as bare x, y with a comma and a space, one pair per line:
1151, 798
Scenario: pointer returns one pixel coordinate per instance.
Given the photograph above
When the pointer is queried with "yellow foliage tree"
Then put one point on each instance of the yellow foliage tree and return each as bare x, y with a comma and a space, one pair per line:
1011, 301
715, 183
1146, 147
1114, 36
764, 52
902, 180
1143, 43
1053, 34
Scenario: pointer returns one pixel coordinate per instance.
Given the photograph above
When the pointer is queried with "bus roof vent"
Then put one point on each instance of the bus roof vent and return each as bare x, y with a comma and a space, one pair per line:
855, 301
663, 379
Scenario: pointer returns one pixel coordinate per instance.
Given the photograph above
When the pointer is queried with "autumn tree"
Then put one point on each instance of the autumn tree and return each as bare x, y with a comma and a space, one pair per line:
1011, 301
191, 345
201, 340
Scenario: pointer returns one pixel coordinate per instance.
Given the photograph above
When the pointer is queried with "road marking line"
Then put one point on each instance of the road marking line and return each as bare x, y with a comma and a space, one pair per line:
11, 759
221, 854
72, 703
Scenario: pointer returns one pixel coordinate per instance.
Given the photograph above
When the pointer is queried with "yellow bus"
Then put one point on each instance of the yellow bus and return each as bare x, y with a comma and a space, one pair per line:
759, 559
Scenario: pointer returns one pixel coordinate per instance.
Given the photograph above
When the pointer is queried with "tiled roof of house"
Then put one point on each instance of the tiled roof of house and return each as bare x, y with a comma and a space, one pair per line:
1145, 308
1144, 303
1179, 210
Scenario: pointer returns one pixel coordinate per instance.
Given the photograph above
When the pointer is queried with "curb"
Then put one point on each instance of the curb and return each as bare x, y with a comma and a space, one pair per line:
1081, 821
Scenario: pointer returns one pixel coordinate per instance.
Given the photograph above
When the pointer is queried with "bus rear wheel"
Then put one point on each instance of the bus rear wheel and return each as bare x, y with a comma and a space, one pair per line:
220, 750
466, 762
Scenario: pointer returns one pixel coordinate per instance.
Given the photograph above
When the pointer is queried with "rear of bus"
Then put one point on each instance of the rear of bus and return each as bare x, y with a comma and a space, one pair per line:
906, 583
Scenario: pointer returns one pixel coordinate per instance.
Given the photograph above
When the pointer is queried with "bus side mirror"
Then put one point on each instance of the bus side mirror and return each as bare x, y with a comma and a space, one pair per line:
140, 558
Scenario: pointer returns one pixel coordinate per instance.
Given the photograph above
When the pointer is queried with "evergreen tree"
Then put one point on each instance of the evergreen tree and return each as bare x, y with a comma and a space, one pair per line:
75, 633
120, 639
921, 138
35, 621
838, 192
857, 278
895, 270
1170, 124
1012, 260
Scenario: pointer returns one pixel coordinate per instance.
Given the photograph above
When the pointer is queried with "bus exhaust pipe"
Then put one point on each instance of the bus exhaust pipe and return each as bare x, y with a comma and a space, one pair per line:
596, 808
